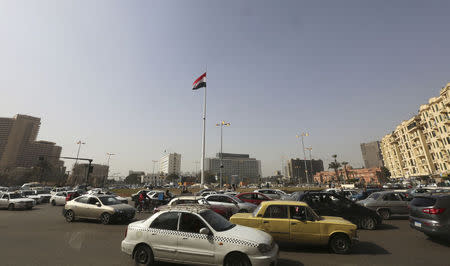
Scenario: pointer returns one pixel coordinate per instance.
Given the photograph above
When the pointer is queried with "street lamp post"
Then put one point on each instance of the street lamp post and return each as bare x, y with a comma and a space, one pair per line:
310, 160
79, 147
304, 154
154, 162
221, 125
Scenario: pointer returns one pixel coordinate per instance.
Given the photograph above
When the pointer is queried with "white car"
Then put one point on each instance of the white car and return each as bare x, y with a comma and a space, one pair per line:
57, 189
14, 200
237, 205
197, 236
32, 194
59, 198
272, 193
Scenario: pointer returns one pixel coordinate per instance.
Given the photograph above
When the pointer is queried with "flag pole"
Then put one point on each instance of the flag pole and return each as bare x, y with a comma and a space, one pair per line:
202, 161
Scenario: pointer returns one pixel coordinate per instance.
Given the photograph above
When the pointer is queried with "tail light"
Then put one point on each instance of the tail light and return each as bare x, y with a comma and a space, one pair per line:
68, 197
433, 210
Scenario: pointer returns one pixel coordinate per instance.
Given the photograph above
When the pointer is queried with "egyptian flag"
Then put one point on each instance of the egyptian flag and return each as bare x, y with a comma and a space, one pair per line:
200, 82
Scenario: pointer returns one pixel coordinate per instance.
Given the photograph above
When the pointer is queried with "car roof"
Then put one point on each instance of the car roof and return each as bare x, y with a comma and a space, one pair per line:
188, 208
189, 198
283, 202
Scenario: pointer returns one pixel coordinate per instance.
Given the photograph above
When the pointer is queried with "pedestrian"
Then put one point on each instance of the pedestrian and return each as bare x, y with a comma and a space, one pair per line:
141, 201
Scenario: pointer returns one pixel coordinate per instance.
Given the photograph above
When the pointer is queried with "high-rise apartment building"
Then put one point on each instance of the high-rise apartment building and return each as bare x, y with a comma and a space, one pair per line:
420, 146
236, 167
296, 169
170, 164
371, 153
18, 145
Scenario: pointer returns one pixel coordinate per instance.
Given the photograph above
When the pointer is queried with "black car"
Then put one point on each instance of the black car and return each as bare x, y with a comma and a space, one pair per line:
331, 204
431, 215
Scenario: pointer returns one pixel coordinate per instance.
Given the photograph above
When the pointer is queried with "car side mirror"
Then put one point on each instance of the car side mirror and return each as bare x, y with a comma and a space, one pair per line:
204, 231
98, 204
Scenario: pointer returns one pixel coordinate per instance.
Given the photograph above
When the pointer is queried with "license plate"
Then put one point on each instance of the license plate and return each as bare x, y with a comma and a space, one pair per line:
417, 224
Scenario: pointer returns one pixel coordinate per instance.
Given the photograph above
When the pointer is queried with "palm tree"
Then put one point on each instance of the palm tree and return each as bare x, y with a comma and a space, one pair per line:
344, 164
335, 165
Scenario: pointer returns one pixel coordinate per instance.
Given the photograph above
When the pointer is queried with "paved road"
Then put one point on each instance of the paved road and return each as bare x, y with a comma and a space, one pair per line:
42, 237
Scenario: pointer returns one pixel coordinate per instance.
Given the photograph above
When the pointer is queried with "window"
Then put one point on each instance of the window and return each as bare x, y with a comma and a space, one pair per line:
82, 200
166, 221
224, 199
191, 223
5, 196
92, 201
247, 196
260, 197
276, 211
391, 197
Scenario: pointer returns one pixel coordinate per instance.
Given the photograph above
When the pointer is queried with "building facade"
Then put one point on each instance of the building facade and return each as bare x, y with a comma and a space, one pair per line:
170, 164
97, 178
18, 145
236, 167
364, 175
296, 169
371, 153
420, 146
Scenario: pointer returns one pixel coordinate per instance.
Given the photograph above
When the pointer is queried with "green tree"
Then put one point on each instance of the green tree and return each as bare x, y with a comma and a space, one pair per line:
344, 164
335, 165
132, 179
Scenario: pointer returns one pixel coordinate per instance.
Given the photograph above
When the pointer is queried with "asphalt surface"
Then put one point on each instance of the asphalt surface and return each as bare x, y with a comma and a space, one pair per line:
42, 237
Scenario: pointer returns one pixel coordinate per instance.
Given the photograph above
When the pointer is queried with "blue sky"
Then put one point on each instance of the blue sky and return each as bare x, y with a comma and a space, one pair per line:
118, 74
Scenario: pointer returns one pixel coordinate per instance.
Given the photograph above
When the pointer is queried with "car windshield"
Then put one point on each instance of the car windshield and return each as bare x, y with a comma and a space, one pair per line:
216, 221
15, 196
109, 201
374, 196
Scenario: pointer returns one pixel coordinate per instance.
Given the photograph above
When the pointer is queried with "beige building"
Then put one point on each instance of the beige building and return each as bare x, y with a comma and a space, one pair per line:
97, 178
170, 164
420, 146
18, 145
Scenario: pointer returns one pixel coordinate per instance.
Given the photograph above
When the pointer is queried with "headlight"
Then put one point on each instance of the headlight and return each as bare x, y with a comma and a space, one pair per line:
264, 248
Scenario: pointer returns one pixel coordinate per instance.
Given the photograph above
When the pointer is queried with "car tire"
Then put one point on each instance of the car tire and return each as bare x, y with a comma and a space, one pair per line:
11, 207
385, 214
143, 255
368, 223
235, 259
70, 216
105, 218
29, 208
53, 203
340, 244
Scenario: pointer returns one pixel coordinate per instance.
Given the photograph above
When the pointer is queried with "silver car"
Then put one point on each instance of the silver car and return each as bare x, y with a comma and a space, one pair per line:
105, 208
387, 203
237, 205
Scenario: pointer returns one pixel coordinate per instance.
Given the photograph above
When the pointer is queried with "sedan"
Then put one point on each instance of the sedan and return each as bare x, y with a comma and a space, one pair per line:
272, 193
59, 198
253, 197
197, 236
386, 203
232, 202
98, 207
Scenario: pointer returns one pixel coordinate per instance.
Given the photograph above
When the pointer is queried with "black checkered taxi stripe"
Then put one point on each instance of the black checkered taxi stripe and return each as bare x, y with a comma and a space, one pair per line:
197, 236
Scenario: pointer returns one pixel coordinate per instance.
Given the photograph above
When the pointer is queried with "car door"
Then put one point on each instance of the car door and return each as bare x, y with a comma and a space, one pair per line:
193, 247
223, 201
275, 221
4, 201
163, 235
94, 211
304, 227
80, 207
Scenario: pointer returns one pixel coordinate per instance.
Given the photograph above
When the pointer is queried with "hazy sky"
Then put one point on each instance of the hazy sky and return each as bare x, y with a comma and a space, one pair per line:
118, 74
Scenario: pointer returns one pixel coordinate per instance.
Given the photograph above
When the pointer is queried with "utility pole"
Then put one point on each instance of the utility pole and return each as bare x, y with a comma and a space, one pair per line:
107, 163
221, 125
154, 162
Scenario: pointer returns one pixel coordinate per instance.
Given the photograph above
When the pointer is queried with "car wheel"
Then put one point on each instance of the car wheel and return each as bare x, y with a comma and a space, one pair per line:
105, 218
143, 255
70, 216
29, 208
340, 244
11, 207
237, 259
385, 214
368, 223
53, 203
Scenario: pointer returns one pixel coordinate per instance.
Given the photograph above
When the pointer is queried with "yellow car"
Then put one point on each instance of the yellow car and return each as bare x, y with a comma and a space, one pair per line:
294, 221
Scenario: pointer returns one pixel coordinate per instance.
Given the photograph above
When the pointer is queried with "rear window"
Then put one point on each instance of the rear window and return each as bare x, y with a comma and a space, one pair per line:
423, 202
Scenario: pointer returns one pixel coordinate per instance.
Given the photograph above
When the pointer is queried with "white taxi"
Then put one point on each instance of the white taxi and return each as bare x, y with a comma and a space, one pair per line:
197, 236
